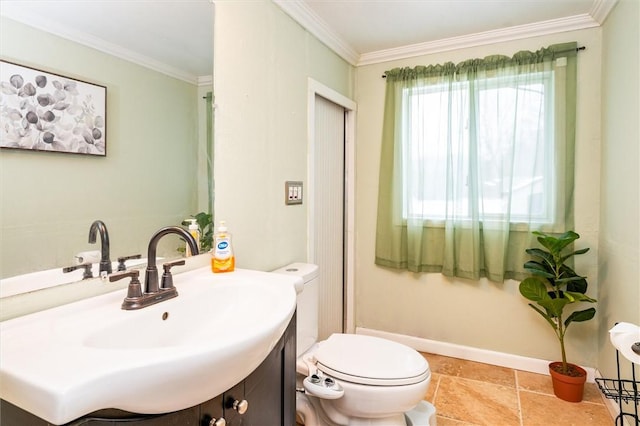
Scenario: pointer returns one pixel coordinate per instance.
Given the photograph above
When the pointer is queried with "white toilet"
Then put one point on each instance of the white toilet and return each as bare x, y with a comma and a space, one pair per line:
352, 379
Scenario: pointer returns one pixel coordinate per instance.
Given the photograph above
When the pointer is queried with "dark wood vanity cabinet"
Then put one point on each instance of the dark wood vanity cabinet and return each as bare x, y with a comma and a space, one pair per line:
269, 392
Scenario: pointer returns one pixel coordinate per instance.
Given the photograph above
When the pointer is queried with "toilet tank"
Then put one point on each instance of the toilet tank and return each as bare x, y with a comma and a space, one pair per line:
306, 304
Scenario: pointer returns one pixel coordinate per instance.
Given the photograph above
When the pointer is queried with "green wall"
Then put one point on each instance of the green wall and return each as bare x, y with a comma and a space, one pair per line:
480, 314
619, 245
262, 65
146, 181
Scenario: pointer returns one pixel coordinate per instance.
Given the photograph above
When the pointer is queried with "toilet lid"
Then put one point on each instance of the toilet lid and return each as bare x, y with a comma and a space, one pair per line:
370, 360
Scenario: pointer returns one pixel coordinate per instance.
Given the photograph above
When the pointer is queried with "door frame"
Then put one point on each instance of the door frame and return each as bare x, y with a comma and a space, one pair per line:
316, 88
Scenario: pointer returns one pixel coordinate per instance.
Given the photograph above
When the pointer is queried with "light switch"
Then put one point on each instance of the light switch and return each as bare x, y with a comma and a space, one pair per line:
293, 192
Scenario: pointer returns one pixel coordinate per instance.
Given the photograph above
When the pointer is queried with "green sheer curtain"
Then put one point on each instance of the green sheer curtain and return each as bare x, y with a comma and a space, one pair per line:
474, 157
210, 188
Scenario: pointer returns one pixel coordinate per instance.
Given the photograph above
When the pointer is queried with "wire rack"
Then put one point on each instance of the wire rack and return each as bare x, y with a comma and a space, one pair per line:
622, 391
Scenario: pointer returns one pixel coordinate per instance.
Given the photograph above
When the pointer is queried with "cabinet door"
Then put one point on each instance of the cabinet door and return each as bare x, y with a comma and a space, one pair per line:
264, 392
271, 388
212, 409
232, 416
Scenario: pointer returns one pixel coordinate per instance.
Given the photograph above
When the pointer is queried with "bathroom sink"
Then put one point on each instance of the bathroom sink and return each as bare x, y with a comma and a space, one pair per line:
210, 313
65, 362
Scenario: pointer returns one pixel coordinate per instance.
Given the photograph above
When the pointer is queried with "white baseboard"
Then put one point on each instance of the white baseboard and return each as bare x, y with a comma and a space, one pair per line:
517, 362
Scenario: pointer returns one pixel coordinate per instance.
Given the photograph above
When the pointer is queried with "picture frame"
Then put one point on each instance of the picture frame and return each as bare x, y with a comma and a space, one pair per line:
45, 111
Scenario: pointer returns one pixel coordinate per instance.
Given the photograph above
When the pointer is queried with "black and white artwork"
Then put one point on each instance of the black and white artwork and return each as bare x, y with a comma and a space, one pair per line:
42, 111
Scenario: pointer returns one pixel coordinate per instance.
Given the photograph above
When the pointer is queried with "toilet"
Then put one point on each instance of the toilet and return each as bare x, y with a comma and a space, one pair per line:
352, 379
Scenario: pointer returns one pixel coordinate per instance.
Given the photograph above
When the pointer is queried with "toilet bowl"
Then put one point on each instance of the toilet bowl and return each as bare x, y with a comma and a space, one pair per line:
351, 379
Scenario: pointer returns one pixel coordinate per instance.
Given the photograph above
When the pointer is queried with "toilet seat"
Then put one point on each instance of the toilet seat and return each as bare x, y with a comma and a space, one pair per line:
370, 360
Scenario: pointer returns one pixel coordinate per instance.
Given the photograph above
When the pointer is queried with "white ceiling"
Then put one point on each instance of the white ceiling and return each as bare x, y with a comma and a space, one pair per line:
176, 36
171, 36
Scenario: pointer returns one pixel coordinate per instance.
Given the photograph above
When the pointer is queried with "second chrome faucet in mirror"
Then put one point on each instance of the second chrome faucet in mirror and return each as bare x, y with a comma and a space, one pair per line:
98, 227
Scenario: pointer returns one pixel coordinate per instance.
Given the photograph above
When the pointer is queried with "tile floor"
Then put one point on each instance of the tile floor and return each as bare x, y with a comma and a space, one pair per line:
467, 393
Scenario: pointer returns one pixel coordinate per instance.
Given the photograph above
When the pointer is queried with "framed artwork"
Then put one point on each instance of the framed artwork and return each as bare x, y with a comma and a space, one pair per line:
43, 111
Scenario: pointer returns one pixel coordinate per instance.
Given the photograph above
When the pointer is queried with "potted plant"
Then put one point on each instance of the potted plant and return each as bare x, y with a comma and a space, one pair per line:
205, 223
552, 287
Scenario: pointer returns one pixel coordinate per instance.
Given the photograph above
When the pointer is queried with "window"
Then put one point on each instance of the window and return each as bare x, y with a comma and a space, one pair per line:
506, 172
474, 157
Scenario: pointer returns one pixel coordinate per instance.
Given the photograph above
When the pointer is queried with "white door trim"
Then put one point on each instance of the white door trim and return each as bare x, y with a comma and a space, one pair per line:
317, 88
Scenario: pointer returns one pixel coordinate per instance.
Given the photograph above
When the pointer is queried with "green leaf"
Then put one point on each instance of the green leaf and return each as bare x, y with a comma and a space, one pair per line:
580, 316
538, 268
203, 219
578, 286
575, 253
546, 256
564, 240
556, 244
554, 306
534, 289
580, 297
545, 240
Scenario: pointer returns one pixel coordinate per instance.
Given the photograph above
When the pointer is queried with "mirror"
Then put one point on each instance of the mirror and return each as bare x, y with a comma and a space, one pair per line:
152, 174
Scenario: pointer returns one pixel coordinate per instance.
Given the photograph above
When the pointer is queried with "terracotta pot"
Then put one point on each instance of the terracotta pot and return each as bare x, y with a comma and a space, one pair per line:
568, 387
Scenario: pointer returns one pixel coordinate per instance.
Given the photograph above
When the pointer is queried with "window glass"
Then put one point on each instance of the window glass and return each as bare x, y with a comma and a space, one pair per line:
507, 173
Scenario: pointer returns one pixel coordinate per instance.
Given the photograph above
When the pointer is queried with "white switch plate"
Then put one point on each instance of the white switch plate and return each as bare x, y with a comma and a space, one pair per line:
292, 192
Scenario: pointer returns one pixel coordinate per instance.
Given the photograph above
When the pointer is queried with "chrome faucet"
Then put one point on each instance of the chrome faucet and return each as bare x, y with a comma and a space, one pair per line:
154, 293
105, 261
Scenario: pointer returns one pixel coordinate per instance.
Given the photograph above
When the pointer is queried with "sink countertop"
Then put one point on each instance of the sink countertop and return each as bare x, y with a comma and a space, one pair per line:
65, 362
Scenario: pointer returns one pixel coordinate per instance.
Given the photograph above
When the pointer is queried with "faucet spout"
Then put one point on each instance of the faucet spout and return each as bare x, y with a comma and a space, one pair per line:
98, 226
151, 275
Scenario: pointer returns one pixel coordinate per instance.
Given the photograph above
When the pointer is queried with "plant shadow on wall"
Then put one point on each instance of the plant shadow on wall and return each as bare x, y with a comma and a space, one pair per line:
553, 286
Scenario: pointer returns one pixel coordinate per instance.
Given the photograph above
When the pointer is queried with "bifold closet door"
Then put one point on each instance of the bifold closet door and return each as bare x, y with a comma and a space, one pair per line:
328, 212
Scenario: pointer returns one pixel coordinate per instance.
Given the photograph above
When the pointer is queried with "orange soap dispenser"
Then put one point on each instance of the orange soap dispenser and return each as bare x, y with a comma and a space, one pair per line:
222, 259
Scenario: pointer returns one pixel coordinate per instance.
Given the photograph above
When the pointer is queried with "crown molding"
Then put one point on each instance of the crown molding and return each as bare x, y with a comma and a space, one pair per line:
301, 13
601, 9
205, 80
310, 21
88, 40
571, 23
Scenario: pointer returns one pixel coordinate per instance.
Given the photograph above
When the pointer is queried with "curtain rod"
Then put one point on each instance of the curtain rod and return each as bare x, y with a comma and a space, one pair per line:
577, 50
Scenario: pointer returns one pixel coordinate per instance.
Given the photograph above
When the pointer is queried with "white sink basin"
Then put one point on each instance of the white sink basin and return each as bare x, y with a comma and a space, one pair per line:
63, 363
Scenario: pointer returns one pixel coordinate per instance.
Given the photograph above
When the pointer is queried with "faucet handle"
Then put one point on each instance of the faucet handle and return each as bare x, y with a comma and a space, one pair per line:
167, 278
87, 270
135, 289
121, 261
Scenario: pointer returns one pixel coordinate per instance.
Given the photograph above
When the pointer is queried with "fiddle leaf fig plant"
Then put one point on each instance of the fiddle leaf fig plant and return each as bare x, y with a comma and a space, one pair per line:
205, 223
554, 285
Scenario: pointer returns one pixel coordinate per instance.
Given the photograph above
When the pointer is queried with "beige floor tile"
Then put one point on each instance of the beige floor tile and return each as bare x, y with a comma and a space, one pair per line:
534, 382
444, 421
433, 388
547, 410
592, 394
471, 370
542, 384
443, 365
467, 393
477, 402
